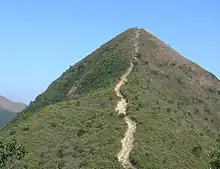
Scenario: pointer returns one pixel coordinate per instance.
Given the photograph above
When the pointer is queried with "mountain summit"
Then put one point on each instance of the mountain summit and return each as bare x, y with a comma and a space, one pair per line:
133, 103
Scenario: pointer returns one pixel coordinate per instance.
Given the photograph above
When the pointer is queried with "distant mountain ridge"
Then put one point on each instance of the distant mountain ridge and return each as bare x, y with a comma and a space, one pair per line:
10, 106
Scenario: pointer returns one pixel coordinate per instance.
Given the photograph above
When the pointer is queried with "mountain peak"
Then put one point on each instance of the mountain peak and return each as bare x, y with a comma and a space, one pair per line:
118, 51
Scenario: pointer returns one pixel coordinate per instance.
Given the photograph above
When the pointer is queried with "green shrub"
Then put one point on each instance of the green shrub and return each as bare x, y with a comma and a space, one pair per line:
211, 89
215, 156
197, 150
25, 127
146, 62
122, 116
133, 118
10, 151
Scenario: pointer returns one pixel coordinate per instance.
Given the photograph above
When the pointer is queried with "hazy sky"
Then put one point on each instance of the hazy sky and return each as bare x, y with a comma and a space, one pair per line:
40, 39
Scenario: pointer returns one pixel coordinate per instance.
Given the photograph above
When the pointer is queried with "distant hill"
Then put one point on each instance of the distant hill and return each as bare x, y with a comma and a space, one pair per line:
9, 110
173, 111
11, 106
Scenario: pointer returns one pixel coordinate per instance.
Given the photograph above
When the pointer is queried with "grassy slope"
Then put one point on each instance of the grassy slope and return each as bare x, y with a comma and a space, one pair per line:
5, 117
73, 134
176, 116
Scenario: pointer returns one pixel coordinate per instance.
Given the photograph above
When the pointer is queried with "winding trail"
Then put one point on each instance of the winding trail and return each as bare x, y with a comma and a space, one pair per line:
127, 141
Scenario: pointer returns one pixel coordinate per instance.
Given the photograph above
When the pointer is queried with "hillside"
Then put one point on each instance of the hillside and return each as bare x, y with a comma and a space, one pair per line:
167, 111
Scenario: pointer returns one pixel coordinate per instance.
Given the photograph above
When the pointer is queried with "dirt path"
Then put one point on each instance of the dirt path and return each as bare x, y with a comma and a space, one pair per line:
127, 141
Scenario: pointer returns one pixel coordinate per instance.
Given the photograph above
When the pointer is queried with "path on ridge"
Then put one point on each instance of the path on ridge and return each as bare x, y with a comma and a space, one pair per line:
127, 141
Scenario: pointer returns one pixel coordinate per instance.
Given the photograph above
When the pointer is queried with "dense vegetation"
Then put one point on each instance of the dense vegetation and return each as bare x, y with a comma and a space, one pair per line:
10, 152
177, 116
5, 117
215, 155
174, 102
81, 80
83, 133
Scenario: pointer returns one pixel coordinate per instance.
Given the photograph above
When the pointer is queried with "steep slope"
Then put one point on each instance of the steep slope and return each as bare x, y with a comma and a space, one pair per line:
175, 104
172, 102
11, 106
98, 70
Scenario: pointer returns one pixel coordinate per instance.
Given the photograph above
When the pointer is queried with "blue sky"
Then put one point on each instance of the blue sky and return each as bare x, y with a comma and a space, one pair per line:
40, 39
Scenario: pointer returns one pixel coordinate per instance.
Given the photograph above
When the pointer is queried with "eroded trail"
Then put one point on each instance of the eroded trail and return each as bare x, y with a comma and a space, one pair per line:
127, 141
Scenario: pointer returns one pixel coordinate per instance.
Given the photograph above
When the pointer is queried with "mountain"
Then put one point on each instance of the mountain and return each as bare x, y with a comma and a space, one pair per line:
134, 102
11, 106
9, 110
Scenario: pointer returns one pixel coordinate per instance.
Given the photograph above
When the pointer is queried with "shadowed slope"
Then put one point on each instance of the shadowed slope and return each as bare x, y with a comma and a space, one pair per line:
6, 116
